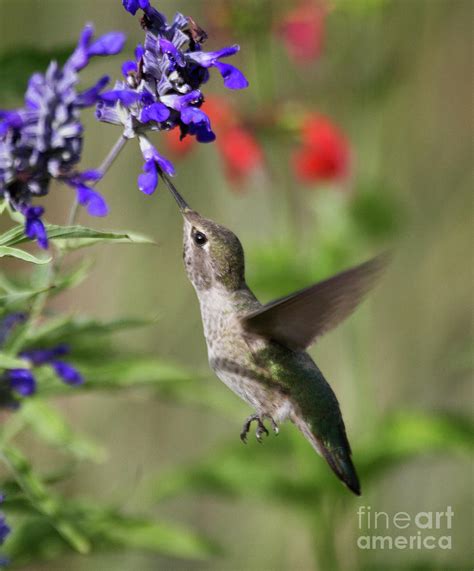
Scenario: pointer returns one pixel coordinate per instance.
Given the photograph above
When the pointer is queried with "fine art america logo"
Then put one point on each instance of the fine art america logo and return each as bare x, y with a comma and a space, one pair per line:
401, 530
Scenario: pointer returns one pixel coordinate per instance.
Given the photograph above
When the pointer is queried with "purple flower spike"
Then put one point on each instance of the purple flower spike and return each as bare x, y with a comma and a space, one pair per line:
167, 74
67, 372
43, 140
22, 381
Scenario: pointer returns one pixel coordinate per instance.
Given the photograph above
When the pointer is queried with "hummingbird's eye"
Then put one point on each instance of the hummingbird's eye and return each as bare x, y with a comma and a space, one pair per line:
199, 238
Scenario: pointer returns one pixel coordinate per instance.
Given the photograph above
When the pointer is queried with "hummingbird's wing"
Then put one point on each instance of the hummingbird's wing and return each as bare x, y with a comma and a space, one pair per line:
299, 318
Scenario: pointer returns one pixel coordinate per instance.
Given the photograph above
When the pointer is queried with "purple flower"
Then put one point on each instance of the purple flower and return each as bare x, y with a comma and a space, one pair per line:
161, 89
108, 44
22, 381
43, 140
5, 529
154, 162
133, 5
86, 195
67, 372
34, 226
41, 356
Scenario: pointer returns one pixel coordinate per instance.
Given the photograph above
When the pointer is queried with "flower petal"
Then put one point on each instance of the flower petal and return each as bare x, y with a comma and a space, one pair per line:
171, 50
128, 67
208, 59
156, 112
91, 96
92, 200
107, 45
67, 372
34, 227
125, 96
79, 59
139, 51
22, 381
133, 5
233, 77
148, 181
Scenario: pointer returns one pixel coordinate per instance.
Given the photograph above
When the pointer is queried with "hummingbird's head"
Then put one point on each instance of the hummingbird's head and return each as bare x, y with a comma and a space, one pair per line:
213, 255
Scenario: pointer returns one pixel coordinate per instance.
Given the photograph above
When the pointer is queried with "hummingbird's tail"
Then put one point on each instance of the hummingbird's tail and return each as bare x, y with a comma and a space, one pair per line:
336, 451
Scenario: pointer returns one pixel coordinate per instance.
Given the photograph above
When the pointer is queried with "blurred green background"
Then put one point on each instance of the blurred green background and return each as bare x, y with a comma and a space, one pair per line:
397, 79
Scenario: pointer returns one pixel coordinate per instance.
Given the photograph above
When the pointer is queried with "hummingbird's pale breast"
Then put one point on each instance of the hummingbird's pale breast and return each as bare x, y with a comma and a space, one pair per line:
231, 352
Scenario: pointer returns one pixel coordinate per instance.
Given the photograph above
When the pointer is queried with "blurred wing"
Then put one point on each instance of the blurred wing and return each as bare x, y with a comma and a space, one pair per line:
298, 319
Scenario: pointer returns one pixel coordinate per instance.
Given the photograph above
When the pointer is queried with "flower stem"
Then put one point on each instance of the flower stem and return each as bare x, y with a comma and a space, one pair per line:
113, 154
104, 167
54, 268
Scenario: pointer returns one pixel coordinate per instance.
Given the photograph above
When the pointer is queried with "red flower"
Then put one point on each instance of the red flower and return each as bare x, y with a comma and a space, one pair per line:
240, 152
324, 154
221, 114
302, 30
237, 147
176, 146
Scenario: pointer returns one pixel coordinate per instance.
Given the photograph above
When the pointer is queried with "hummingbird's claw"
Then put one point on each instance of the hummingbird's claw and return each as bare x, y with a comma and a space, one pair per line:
276, 430
261, 429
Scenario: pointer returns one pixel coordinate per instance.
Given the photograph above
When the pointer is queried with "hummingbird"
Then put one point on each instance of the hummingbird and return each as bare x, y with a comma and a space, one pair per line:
260, 351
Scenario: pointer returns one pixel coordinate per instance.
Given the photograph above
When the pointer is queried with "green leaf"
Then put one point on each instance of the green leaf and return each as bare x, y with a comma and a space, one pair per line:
34, 540
50, 425
22, 255
44, 502
69, 326
73, 277
8, 300
116, 530
9, 362
81, 235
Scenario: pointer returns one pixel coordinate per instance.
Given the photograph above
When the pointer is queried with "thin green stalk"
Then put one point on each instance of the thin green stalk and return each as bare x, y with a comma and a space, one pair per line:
54, 268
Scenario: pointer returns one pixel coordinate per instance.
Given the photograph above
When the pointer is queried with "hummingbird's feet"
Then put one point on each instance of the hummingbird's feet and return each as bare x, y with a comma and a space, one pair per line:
261, 430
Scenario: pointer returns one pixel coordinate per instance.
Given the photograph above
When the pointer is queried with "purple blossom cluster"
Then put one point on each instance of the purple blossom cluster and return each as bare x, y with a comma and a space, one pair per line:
21, 382
161, 89
42, 140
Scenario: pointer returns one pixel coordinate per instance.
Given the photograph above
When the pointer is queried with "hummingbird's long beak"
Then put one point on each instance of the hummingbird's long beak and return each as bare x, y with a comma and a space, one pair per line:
182, 204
